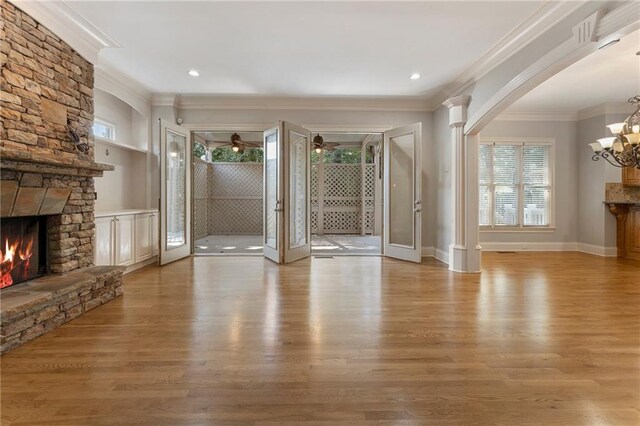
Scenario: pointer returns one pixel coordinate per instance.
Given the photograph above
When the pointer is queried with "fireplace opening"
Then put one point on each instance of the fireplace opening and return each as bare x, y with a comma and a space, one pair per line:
23, 254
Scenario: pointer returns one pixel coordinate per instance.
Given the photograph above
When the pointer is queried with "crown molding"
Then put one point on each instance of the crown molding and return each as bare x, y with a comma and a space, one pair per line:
165, 99
61, 19
604, 109
118, 84
540, 115
548, 15
315, 103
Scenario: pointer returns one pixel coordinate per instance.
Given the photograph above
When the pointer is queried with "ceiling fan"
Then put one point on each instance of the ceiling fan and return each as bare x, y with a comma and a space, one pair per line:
238, 145
319, 144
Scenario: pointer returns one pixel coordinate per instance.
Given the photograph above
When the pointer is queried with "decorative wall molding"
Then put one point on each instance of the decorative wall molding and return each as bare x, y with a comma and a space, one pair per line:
617, 23
60, 18
548, 15
122, 86
604, 109
315, 103
165, 99
537, 116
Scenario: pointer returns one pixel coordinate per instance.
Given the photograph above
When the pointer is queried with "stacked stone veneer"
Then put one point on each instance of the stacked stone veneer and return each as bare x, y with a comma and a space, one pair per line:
32, 309
47, 89
45, 86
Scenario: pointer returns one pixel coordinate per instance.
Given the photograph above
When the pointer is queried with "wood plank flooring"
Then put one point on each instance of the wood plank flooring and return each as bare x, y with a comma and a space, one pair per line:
537, 338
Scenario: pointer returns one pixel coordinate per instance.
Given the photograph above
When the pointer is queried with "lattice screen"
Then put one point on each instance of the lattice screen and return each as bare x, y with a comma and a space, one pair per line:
235, 198
200, 197
337, 201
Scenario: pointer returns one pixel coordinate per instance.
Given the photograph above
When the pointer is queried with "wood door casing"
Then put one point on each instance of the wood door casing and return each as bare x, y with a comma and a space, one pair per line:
631, 176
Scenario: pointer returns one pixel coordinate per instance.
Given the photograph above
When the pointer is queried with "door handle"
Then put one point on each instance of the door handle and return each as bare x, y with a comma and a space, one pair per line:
418, 206
278, 209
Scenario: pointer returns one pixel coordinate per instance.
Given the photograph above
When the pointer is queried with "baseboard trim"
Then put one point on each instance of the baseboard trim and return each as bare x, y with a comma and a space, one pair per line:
142, 264
580, 247
428, 252
597, 250
493, 246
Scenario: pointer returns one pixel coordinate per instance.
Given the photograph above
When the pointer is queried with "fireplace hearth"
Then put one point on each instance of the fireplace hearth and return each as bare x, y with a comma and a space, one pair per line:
22, 249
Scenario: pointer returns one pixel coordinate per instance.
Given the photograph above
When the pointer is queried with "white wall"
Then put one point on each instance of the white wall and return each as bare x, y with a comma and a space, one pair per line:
327, 119
566, 178
596, 226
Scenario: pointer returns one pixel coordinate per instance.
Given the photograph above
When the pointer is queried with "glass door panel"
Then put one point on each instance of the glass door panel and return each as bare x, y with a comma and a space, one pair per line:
175, 175
287, 178
403, 193
298, 177
272, 182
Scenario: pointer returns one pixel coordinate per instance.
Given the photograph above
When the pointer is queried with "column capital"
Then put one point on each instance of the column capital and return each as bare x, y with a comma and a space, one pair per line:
457, 109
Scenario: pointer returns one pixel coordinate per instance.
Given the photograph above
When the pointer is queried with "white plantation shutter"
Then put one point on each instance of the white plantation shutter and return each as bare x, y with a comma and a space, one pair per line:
485, 196
514, 184
536, 164
506, 179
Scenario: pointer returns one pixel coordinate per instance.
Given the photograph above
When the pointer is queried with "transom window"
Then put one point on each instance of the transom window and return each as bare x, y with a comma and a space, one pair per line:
104, 130
516, 183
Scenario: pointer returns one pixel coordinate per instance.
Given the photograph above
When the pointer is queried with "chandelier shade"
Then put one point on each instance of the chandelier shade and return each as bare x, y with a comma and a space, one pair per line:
622, 149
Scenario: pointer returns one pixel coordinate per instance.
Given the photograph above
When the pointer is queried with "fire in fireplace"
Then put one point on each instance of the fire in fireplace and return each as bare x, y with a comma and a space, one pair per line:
22, 249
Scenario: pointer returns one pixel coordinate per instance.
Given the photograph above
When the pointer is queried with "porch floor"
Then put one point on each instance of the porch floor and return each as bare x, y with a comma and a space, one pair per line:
321, 245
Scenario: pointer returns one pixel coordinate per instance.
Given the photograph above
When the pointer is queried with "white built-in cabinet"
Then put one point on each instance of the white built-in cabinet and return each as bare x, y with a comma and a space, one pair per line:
126, 238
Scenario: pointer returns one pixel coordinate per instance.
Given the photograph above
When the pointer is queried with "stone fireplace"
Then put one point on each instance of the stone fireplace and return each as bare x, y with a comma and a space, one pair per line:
47, 193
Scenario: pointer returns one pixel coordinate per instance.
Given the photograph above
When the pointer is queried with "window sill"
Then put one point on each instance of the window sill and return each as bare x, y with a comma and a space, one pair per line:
517, 230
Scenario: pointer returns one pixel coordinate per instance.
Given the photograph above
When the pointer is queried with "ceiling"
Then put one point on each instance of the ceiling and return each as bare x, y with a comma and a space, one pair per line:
300, 48
611, 74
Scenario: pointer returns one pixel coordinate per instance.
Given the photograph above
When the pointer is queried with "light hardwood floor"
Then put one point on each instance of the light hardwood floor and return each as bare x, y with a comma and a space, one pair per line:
535, 339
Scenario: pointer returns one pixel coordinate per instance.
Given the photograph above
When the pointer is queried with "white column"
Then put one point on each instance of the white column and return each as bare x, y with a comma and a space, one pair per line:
464, 251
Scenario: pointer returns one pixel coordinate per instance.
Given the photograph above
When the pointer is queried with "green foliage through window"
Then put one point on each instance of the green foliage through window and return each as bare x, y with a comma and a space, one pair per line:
227, 155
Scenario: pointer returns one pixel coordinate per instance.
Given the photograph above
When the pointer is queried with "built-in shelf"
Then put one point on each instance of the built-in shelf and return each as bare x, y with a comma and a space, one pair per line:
123, 212
120, 145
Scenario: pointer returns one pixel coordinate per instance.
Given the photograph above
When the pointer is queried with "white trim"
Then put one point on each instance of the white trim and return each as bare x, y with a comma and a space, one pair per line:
203, 127
142, 264
314, 103
516, 230
61, 19
604, 109
428, 251
442, 255
165, 99
537, 116
619, 22
597, 250
529, 246
548, 15
120, 85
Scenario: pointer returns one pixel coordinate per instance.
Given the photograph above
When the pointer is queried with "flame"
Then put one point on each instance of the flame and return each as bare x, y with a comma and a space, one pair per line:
9, 260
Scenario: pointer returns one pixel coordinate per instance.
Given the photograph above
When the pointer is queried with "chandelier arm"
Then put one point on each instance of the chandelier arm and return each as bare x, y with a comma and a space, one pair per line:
606, 156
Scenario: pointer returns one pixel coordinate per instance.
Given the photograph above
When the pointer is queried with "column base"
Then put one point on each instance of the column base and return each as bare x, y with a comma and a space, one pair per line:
465, 260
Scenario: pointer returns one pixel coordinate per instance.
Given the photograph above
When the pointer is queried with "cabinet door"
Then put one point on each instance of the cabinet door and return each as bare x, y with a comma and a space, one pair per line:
155, 232
125, 254
631, 176
143, 240
104, 253
632, 236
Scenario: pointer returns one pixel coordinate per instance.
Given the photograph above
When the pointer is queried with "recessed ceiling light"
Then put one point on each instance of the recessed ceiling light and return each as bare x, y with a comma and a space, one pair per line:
194, 73
414, 76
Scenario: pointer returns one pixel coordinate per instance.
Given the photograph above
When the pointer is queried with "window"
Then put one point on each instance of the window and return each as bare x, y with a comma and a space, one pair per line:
104, 130
516, 184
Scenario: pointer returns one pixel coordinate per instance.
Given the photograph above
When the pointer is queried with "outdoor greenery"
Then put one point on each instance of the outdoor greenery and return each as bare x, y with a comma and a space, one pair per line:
199, 150
341, 155
227, 155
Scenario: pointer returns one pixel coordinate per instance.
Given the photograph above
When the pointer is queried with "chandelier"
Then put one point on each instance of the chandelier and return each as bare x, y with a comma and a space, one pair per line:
623, 149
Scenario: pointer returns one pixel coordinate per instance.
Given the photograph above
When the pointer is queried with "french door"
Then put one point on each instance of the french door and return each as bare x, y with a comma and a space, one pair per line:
403, 193
175, 192
287, 188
